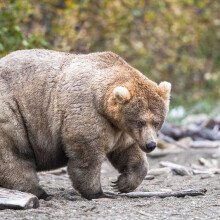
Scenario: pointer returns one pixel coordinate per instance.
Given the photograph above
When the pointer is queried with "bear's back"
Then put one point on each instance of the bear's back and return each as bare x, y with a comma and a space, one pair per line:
24, 63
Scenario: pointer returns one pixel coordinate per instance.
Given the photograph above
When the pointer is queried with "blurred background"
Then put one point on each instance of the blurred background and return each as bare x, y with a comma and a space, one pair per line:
177, 41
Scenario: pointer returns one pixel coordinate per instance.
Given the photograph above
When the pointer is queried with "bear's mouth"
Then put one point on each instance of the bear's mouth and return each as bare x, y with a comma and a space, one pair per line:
146, 150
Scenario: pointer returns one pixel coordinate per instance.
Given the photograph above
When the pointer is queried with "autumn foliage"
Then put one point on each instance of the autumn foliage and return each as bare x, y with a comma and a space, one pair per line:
177, 41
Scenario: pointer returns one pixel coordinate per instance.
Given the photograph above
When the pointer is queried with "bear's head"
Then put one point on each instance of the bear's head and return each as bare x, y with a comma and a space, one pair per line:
139, 109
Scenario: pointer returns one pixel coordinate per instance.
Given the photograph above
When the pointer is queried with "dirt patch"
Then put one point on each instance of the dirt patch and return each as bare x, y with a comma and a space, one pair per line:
67, 204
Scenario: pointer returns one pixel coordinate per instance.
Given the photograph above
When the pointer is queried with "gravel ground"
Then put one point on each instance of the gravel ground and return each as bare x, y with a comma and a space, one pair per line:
67, 204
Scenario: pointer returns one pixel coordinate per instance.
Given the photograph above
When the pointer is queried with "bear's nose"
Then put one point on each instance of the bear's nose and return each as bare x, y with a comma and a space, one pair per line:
151, 146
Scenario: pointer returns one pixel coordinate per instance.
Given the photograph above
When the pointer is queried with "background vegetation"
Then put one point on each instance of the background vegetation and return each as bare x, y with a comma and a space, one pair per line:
177, 41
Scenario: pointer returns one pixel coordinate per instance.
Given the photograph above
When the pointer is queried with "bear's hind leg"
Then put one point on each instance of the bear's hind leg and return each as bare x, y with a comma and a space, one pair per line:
21, 175
17, 165
18, 173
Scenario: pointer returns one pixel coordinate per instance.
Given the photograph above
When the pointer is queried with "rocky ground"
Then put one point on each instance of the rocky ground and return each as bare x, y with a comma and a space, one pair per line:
67, 204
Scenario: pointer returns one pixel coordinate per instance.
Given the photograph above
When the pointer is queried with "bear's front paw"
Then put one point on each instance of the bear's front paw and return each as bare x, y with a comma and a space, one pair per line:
125, 183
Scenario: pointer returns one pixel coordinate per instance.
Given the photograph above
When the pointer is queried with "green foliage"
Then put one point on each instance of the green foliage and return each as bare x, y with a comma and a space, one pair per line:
177, 41
12, 32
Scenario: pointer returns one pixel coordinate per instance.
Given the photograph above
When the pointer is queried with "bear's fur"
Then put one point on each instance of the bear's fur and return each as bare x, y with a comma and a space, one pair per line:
60, 109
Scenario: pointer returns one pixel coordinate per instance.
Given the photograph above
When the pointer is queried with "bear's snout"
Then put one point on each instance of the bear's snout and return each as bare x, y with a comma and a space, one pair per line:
150, 146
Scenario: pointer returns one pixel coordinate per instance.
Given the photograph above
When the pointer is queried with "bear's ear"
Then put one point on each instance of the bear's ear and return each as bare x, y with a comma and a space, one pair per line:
121, 94
164, 90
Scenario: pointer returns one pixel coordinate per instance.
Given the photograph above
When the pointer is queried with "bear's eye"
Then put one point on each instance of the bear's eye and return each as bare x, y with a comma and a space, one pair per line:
140, 124
156, 124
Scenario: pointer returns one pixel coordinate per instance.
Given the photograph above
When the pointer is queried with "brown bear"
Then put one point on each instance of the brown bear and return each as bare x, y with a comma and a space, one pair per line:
60, 109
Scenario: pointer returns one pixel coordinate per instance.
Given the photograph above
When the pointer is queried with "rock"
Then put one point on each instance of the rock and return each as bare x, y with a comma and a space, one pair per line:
197, 119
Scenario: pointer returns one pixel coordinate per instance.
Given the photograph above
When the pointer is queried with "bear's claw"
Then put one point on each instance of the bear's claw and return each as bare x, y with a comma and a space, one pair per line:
115, 182
115, 187
123, 185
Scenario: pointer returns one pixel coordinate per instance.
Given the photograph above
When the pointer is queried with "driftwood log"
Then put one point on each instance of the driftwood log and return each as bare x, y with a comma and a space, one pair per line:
13, 199
149, 177
176, 168
205, 144
179, 193
209, 171
159, 171
208, 163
